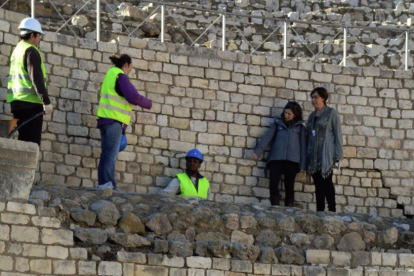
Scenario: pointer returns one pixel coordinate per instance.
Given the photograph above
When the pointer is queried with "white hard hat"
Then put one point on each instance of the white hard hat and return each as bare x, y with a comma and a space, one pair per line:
29, 25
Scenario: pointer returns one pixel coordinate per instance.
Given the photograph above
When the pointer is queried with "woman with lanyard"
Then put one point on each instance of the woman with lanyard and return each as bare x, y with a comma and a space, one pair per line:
324, 148
114, 115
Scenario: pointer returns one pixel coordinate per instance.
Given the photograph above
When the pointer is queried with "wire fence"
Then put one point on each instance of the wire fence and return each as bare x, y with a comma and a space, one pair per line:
339, 44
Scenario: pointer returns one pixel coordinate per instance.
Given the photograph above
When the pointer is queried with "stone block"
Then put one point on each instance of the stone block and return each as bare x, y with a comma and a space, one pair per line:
318, 256
24, 234
338, 271
34, 250
6, 263
63, 50
320, 77
221, 264
281, 270
64, 267
406, 260
59, 236
22, 264
211, 139
241, 266
78, 253
151, 270
18, 162
376, 258
360, 259
195, 272
341, 258
249, 89
46, 222
178, 272
172, 262
262, 268
109, 268
41, 266
314, 271
87, 268
131, 257
199, 262
215, 273
57, 252
192, 71
10, 218
389, 259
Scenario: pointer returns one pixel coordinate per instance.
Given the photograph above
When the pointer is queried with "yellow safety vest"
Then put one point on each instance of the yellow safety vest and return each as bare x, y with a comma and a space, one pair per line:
111, 104
188, 189
20, 86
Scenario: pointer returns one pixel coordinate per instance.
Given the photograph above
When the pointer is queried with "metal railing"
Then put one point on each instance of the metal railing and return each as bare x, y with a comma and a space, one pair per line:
288, 25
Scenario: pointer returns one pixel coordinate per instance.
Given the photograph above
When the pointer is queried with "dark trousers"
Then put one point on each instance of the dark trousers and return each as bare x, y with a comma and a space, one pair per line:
289, 170
324, 188
110, 140
32, 131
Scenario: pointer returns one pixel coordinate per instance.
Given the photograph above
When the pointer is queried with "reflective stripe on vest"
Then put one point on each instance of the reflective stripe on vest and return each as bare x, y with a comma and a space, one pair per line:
111, 104
188, 189
20, 86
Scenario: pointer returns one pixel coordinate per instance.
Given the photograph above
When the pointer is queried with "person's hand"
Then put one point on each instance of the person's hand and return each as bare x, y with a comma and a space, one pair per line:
48, 109
254, 155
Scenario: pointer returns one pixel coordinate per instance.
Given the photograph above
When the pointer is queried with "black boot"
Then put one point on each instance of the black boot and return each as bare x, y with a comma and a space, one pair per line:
289, 203
275, 200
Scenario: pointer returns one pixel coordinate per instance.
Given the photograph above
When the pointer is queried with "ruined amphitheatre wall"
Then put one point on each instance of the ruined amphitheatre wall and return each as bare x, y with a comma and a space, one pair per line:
321, 44
221, 103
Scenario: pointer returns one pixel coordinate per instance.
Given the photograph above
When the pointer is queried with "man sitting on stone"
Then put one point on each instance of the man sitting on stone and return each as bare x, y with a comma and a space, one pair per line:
190, 184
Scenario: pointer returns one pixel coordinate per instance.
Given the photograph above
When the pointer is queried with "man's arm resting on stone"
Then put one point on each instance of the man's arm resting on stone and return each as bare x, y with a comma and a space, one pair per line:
172, 189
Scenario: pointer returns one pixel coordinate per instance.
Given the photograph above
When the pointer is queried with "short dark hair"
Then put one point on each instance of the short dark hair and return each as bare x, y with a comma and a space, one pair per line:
296, 110
322, 92
27, 36
119, 61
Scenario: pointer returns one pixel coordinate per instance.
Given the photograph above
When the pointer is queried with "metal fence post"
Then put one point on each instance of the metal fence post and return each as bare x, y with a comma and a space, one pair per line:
162, 22
223, 46
33, 8
345, 45
285, 40
98, 20
407, 51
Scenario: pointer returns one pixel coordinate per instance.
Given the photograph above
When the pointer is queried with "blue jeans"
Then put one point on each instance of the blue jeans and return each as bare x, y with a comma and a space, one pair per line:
110, 141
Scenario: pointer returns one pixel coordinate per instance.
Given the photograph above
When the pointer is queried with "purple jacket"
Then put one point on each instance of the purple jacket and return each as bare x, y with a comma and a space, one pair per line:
125, 88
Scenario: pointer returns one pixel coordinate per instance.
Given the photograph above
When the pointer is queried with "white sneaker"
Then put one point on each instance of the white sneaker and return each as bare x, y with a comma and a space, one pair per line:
106, 186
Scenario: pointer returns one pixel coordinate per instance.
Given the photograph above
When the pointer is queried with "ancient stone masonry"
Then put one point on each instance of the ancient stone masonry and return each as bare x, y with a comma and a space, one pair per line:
66, 231
221, 103
79, 231
305, 41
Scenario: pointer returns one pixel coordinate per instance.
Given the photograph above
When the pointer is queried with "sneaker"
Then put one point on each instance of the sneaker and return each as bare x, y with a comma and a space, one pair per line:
106, 186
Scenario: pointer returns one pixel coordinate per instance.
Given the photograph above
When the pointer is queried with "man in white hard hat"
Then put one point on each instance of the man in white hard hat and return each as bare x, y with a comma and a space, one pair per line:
26, 90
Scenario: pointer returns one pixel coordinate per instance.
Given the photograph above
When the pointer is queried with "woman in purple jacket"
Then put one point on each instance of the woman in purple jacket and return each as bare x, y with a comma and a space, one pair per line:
114, 115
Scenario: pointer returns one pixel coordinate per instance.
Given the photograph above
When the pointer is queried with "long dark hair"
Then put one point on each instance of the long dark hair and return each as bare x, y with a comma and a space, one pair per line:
296, 110
119, 61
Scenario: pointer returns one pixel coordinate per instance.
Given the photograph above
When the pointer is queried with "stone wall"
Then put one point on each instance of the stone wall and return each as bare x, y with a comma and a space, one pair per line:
64, 231
18, 162
79, 231
221, 103
383, 48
